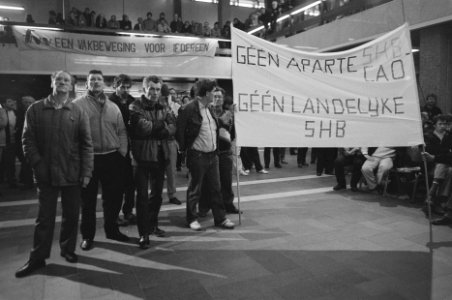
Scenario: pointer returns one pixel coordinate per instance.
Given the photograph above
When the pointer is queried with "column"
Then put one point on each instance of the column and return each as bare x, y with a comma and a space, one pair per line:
435, 65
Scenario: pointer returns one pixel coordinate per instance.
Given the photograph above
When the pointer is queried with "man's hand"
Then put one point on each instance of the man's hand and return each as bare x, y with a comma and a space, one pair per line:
368, 157
85, 181
226, 117
427, 156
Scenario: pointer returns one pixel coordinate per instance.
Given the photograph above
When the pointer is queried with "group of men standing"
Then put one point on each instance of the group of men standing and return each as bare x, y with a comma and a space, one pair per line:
73, 145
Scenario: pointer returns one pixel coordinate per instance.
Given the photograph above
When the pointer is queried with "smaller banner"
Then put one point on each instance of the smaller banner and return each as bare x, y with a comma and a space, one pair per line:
117, 46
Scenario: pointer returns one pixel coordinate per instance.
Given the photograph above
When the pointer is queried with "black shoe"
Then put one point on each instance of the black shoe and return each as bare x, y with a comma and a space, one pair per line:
354, 189
338, 187
319, 174
131, 218
446, 220
30, 267
158, 232
118, 236
143, 243
278, 166
174, 200
433, 209
86, 244
233, 210
122, 222
70, 257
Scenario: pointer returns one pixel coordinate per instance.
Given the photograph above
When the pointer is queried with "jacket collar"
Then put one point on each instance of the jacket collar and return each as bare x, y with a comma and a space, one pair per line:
49, 103
150, 105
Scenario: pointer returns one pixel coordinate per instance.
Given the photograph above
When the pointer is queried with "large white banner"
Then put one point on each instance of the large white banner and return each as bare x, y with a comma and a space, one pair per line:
117, 46
366, 96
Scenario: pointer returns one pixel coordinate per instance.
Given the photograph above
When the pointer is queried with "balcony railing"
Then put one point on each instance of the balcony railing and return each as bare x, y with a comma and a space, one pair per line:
304, 21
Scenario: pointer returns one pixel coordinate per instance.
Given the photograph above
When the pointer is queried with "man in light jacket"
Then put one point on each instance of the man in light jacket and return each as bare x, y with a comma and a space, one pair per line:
110, 147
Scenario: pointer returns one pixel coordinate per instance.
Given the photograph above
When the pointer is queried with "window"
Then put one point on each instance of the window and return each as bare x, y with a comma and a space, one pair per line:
241, 3
207, 1
248, 3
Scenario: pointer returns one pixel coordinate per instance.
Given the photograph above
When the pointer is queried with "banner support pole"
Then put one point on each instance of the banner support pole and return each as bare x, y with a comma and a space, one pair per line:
428, 201
238, 180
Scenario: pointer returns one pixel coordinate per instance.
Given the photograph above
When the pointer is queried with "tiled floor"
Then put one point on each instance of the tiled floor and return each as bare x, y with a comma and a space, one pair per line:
297, 240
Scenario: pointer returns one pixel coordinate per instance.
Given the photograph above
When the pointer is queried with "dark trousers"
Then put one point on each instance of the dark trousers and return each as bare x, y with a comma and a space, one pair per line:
26, 174
204, 171
180, 160
301, 155
45, 222
107, 171
148, 206
227, 194
276, 156
250, 156
325, 159
9, 163
341, 161
129, 186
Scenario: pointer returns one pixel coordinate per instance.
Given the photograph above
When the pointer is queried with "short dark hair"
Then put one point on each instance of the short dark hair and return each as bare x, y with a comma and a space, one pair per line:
206, 85
165, 90
440, 117
92, 72
152, 78
122, 79
54, 74
220, 89
227, 101
432, 96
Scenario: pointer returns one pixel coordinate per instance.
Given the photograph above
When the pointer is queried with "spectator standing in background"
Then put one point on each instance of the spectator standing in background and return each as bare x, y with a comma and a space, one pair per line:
101, 21
8, 162
125, 23
139, 25
177, 24
112, 23
186, 28
121, 97
149, 24
52, 17
26, 173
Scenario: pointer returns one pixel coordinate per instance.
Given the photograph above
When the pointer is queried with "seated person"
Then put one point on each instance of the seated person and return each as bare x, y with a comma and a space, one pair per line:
439, 152
348, 156
376, 166
446, 219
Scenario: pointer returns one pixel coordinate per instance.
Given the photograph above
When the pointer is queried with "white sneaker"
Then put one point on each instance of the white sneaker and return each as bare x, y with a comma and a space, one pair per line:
263, 171
195, 226
226, 224
244, 173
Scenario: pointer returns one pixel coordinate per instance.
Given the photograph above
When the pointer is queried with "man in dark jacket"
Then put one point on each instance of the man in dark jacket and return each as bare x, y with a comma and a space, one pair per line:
57, 143
197, 133
121, 97
151, 124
